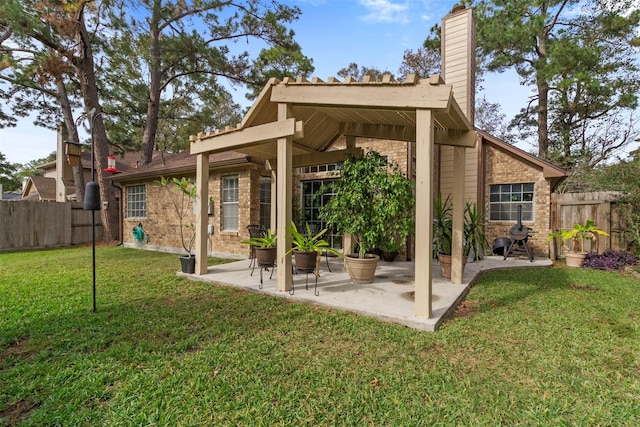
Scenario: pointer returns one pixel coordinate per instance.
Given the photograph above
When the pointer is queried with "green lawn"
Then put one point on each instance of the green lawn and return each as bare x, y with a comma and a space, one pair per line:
535, 347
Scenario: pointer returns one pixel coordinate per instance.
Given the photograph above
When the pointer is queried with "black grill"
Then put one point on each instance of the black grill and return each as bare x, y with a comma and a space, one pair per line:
519, 235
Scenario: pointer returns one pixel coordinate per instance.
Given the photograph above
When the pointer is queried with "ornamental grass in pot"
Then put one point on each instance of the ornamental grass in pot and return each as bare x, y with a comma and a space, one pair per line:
474, 237
307, 246
265, 247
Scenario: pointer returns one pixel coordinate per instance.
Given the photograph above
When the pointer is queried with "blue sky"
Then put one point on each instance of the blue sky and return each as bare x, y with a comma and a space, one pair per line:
334, 33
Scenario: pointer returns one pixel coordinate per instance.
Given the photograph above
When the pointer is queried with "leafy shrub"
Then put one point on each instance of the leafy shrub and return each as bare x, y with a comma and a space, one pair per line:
609, 260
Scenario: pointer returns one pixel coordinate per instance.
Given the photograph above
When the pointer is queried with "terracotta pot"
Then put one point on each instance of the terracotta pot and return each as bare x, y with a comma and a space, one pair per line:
305, 260
266, 256
362, 270
445, 265
574, 259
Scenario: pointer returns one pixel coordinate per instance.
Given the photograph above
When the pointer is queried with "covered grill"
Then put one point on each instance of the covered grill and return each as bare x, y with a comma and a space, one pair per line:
519, 234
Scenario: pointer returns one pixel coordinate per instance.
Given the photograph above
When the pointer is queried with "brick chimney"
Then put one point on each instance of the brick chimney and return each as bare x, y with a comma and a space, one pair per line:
458, 51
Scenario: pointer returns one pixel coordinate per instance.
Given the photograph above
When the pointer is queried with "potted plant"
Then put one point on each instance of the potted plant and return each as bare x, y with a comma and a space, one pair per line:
578, 234
371, 200
474, 237
265, 247
390, 248
307, 247
182, 193
443, 234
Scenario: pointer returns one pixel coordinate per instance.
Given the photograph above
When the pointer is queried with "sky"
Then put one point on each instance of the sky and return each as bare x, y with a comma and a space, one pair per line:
334, 33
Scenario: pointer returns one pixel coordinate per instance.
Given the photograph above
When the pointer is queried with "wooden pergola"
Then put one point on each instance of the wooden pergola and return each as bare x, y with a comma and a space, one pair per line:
294, 122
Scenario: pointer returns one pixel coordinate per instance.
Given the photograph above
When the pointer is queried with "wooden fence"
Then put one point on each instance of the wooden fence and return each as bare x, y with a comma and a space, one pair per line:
602, 207
33, 225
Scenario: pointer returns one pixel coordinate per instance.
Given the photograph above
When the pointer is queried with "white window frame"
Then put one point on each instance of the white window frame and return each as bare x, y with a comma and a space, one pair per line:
136, 201
230, 203
505, 198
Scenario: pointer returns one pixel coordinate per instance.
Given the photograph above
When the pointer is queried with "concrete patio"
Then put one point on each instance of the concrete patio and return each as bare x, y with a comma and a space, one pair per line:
389, 297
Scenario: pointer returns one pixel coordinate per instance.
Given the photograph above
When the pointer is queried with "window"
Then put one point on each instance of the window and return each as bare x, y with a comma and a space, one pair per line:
316, 194
136, 201
320, 168
230, 203
505, 198
265, 201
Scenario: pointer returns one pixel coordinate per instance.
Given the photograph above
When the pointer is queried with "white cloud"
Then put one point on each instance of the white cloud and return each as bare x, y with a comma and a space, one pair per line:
385, 11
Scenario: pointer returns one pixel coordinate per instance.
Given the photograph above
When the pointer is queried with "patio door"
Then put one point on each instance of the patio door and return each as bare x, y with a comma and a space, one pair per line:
314, 195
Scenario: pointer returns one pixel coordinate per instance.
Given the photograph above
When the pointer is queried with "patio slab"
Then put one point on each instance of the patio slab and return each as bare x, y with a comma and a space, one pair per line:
389, 297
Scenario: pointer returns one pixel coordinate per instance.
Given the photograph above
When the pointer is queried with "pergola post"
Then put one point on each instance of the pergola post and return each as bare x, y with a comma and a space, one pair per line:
424, 212
274, 205
284, 176
202, 197
457, 254
347, 239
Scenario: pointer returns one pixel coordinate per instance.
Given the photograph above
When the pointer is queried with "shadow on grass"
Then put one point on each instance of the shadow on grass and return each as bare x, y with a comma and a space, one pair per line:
508, 288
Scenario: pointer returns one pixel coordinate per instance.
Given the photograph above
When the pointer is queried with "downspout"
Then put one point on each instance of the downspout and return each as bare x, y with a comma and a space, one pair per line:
120, 216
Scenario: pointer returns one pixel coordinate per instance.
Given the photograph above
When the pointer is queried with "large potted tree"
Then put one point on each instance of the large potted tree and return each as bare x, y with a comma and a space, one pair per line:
182, 193
372, 200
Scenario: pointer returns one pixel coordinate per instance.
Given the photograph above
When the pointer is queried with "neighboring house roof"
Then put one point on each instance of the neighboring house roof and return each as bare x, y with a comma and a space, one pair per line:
181, 163
40, 188
550, 171
11, 195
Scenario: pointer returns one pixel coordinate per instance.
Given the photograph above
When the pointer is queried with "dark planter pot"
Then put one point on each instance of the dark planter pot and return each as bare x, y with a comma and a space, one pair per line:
389, 256
266, 256
188, 264
305, 260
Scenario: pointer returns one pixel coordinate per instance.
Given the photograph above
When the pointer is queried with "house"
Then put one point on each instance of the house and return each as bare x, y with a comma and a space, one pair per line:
269, 168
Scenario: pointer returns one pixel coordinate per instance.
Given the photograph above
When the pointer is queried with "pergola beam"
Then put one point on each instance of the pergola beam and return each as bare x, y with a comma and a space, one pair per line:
326, 157
364, 96
398, 133
248, 137
456, 138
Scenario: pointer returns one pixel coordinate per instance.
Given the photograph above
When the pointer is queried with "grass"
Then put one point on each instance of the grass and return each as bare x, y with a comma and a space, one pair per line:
534, 347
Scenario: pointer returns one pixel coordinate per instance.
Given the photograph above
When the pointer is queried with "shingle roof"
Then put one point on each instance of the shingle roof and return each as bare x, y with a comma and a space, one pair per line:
45, 187
171, 164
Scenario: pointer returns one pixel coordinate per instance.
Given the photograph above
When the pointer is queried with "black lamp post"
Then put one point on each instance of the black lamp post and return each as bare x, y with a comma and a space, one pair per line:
92, 201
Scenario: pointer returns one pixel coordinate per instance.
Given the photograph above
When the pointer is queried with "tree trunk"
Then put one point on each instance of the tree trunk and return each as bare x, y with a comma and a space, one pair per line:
543, 89
72, 135
543, 119
86, 74
153, 104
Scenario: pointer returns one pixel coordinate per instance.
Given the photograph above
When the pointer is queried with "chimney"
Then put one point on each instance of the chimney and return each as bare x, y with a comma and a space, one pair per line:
458, 51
